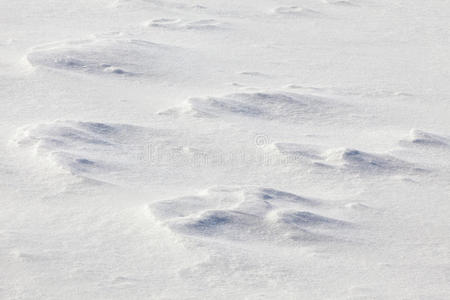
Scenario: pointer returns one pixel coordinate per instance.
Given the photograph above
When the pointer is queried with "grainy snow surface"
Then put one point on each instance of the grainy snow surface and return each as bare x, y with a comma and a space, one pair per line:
224, 149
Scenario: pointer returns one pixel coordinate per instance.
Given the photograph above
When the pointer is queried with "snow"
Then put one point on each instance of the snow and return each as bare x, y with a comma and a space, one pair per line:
246, 214
273, 149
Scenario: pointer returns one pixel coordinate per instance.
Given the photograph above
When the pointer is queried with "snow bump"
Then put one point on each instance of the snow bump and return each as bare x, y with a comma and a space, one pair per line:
118, 57
266, 106
247, 214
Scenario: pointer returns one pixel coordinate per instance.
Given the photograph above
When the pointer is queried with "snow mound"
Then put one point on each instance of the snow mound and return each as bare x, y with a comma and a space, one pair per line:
358, 206
74, 134
87, 148
109, 56
178, 24
155, 4
347, 3
166, 23
340, 159
205, 24
247, 213
295, 11
363, 162
269, 106
419, 137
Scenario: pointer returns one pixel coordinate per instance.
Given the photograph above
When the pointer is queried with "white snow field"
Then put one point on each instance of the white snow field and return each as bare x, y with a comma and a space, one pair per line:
224, 149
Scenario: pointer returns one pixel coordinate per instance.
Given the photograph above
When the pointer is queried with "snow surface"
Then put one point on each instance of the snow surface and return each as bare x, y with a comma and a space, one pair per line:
271, 149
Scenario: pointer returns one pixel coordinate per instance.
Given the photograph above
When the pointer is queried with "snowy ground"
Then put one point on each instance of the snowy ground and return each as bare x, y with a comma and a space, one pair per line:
224, 149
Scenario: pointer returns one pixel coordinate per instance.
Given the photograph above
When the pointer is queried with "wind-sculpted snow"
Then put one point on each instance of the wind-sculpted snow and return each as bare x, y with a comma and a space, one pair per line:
111, 56
88, 148
224, 149
423, 138
343, 159
267, 106
152, 4
97, 149
177, 24
363, 162
345, 3
248, 214
295, 11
